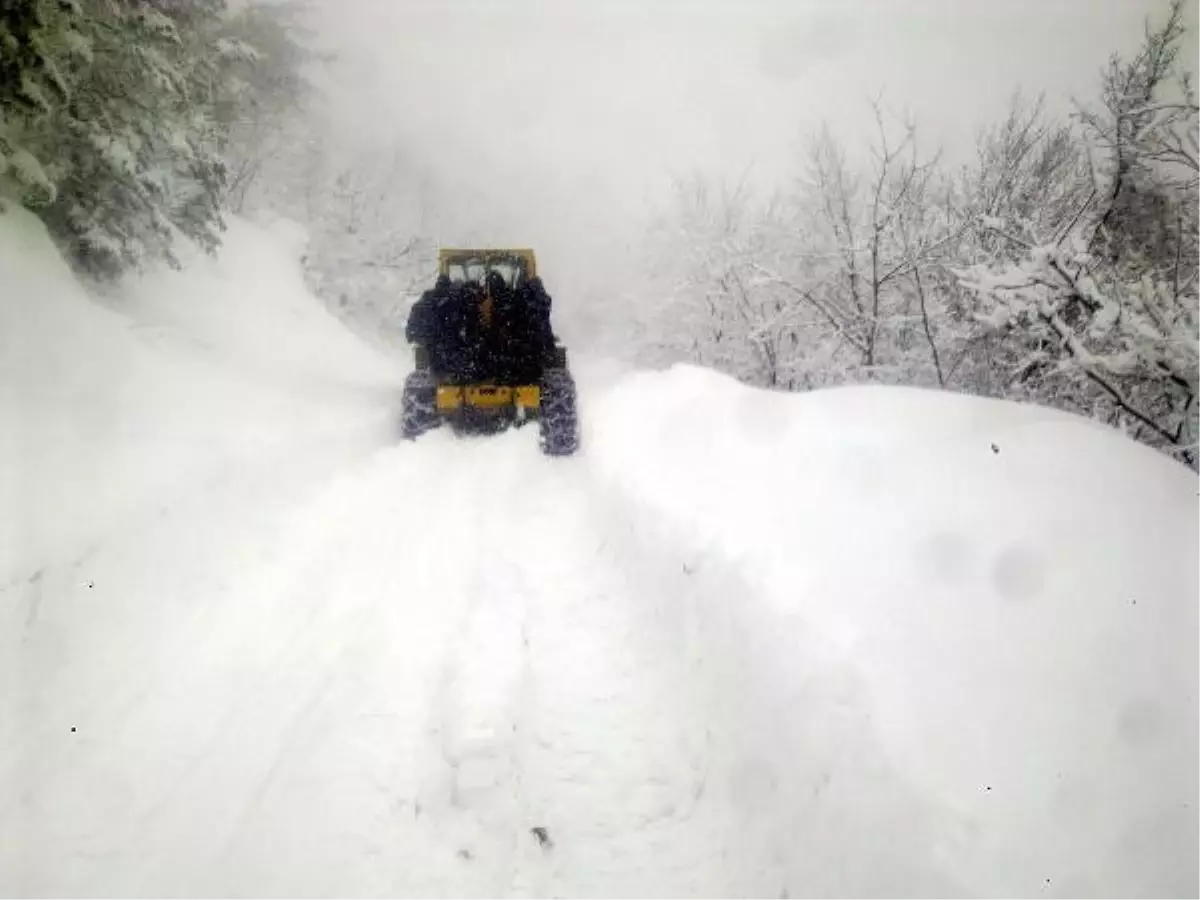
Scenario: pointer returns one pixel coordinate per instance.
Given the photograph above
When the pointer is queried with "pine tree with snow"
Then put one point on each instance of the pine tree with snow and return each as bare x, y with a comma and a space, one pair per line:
270, 94
114, 124
141, 144
38, 38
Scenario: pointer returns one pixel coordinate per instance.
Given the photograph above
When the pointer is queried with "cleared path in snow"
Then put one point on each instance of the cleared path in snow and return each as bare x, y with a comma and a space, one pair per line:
386, 671
388, 689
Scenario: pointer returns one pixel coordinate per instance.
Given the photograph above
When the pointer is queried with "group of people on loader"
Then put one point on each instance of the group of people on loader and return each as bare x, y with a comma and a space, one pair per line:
489, 332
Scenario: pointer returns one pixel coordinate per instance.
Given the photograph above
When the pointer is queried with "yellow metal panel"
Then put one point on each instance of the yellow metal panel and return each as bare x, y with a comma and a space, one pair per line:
529, 396
449, 397
488, 397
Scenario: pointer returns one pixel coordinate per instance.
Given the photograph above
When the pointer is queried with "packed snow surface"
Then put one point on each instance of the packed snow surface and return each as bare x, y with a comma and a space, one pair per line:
858, 642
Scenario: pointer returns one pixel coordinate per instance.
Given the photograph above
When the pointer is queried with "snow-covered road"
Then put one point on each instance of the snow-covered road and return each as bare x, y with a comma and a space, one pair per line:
862, 642
385, 684
457, 668
444, 649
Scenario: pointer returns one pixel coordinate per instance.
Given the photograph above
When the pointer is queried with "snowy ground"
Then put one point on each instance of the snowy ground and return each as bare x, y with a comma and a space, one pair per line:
861, 642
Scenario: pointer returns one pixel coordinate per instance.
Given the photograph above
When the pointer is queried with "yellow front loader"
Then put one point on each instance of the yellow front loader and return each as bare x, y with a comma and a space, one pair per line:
486, 355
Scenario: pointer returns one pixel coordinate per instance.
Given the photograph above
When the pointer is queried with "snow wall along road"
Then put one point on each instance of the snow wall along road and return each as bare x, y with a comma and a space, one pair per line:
858, 642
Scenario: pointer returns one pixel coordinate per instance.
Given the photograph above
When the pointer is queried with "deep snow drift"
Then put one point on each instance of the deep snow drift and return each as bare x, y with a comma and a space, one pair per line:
858, 642
106, 410
1012, 593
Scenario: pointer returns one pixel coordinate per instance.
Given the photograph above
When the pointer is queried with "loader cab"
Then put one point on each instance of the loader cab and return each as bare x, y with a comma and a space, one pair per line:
487, 357
477, 273
463, 267
492, 324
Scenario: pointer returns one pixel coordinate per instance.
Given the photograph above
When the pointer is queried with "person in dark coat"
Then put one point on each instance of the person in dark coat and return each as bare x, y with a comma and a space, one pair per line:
487, 331
431, 323
495, 312
539, 308
421, 327
463, 331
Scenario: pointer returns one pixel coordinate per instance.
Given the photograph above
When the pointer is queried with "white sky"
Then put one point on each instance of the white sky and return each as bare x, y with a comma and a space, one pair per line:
562, 117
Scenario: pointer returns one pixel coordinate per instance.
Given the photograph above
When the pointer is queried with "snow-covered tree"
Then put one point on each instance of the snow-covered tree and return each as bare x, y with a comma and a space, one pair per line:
856, 250
1145, 136
38, 38
713, 305
832, 281
1133, 342
270, 101
1107, 300
695, 248
1032, 172
140, 146
114, 117
1058, 267
370, 252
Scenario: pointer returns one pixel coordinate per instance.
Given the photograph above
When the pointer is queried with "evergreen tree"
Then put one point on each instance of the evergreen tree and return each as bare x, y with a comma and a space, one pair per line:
270, 96
37, 39
114, 123
140, 144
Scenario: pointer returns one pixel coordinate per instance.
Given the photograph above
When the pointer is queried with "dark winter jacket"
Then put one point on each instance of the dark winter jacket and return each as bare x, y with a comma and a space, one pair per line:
422, 326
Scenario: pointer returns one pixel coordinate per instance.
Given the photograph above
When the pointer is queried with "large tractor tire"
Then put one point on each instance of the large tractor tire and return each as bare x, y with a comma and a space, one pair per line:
419, 405
558, 420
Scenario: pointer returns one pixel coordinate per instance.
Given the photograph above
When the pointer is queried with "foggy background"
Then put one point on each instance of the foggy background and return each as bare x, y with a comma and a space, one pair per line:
559, 124
932, 633
788, 193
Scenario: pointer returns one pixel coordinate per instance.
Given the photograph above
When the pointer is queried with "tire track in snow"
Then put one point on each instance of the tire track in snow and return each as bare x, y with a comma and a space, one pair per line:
545, 692
621, 743
141, 626
558, 706
275, 663
460, 643
472, 791
425, 617
559, 696
349, 610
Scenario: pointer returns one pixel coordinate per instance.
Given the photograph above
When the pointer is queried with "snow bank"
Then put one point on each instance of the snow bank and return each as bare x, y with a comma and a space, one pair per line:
110, 410
1014, 589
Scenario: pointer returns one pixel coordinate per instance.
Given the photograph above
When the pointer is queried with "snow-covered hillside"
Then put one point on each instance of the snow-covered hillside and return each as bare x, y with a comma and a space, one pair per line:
108, 411
856, 642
